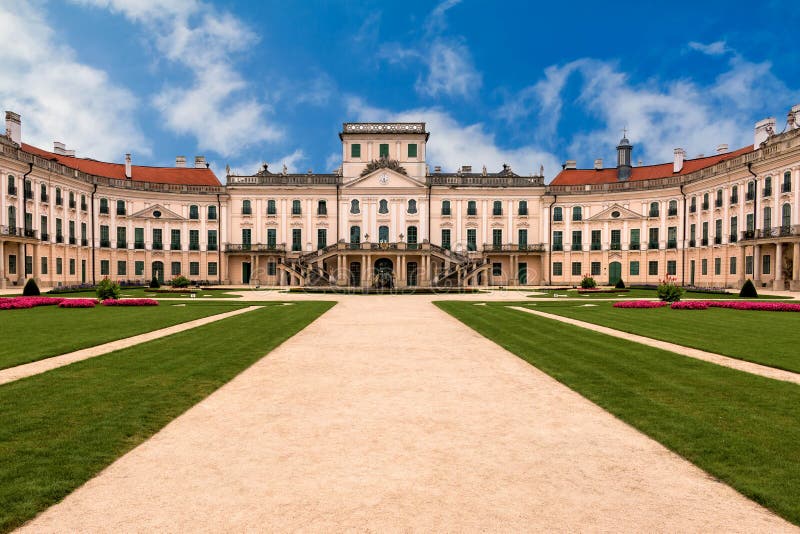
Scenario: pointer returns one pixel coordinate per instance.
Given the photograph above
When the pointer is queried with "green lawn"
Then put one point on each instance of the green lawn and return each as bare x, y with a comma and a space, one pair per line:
60, 428
38, 333
762, 337
641, 293
741, 428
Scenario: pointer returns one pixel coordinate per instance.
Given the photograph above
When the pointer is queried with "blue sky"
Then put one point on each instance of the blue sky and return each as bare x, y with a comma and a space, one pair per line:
525, 84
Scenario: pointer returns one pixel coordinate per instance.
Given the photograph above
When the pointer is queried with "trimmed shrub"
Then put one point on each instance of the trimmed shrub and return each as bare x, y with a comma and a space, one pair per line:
748, 290
620, 284
107, 289
31, 289
154, 283
588, 283
180, 281
669, 291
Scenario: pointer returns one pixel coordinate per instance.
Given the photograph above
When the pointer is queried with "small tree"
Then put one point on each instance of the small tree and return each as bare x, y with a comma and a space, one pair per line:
748, 290
669, 291
180, 281
620, 284
107, 289
154, 283
588, 282
31, 289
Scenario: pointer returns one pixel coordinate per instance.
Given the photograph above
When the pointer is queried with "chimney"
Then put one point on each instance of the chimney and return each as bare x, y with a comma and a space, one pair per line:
598, 164
677, 163
128, 166
722, 148
180, 161
14, 127
59, 148
199, 162
571, 164
764, 129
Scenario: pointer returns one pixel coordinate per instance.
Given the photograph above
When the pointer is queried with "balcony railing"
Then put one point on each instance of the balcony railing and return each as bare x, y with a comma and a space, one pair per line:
652, 245
596, 246
672, 212
692, 243
194, 246
158, 246
72, 240
84, 207
44, 237
749, 196
634, 246
705, 206
786, 188
105, 243
59, 238
557, 247
12, 190
514, 247
72, 204
693, 208
733, 238
120, 211
774, 232
84, 242
616, 246
28, 194
717, 239
174, 246
704, 242
122, 244
672, 243
767, 192
103, 210
59, 201
718, 203
211, 246
577, 246
734, 199
653, 213
43, 197
138, 245
29, 232
254, 247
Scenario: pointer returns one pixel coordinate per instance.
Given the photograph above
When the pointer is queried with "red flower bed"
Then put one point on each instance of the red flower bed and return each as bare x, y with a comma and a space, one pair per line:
690, 305
755, 306
21, 303
130, 302
640, 304
78, 303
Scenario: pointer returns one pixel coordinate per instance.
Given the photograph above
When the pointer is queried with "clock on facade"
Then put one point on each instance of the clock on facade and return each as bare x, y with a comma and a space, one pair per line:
383, 179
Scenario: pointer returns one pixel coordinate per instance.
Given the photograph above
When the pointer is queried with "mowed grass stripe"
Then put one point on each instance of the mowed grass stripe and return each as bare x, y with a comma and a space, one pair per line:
739, 427
37, 333
60, 428
767, 338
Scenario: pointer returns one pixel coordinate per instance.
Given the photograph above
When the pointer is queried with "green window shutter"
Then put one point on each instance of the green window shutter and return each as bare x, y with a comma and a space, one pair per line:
384, 150
355, 150
412, 150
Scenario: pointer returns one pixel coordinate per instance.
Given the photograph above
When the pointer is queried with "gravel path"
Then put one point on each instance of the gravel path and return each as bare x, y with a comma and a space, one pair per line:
733, 363
46, 364
386, 414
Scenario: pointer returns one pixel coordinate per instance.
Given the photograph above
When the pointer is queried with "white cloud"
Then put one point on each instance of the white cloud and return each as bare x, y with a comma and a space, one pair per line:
291, 160
59, 97
217, 106
717, 48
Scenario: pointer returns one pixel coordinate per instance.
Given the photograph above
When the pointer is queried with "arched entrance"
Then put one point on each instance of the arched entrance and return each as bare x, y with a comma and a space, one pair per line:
614, 272
384, 273
158, 271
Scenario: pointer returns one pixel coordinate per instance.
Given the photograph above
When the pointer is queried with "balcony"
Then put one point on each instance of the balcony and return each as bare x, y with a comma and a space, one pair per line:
103, 210
616, 245
138, 245
577, 246
44, 237
249, 247
122, 244
733, 238
717, 239
211, 246
557, 247
59, 238
158, 246
652, 245
174, 246
194, 246
704, 242
786, 188
634, 246
672, 212
596, 246
105, 243
718, 203
672, 243
29, 232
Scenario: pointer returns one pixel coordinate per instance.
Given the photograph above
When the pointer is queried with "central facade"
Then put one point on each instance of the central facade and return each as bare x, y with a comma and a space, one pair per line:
384, 219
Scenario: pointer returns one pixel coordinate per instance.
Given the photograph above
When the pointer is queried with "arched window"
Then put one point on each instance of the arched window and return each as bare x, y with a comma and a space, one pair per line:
786, 187
12, 218
121, 207
355, 235
354, 207
383, 234
43, 194
296, 210
212, 213
654, 209
705, 201
767, 222
718, 203
767, 186
558, 214
693, 205
103, 206
497, 207
72, 200
271, 208
194, 212
59, 199
28, 189
445, 207
786, 216
751, 190
472, 207
522, 208
412, 206
411, 234
383, 206
322, 207
673, 208
247, 208
12, 189
734, 194
84, 207
577, 213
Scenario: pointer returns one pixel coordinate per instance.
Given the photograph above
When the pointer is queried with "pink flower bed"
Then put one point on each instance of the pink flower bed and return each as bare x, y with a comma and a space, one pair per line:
690, 305
130, 302
78, 303
21, 303
640, 304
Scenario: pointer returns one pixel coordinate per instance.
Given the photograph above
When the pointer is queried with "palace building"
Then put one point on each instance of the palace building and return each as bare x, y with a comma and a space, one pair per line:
385, 218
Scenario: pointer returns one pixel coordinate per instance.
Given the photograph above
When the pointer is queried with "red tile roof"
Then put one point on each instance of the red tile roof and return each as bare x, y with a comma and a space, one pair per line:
116, 171
646, 172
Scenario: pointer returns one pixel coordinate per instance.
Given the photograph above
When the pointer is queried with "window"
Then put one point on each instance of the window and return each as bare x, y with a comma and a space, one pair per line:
672, 267
652, 243
71, 199
734, 194
122, 237
83, 234
12, 264
43, 193
322, 238
383, 234
786, 216
28, 190
733, 264
412, 150
383, 206
59, 198
652, 268
596, 235
271, 210
412, 235
634, 268
765, 264
472, 239
12, 190
247, 236
28, 265
412, 206
522, 238
12, 218
43, 261
577, 213
497, 269
717, 231
704, 266
72, 266
43, 226
71, 232
247, 208
322, 207
59, 266
212, 213
672, 237
296, 209
355, 235
297, 239
497, 238
693, 205
354, 206
558, 240
446, 238
673, 208
105, 267
750, 222
705, 233
558, 214
577, 238
767, 223
768, 186
616, 239
718, 201
272, 268
194, 239
654, 209
497, 207
748, 265
472, 207
176, 268
212, 268
272, 238
105, 241
717, 266
138, 268
120, 207
84, 206
194, 268
175, 239
595, 268
522, 208
122, 268
705, 201
355, 150
383, 150
557, 268
103, 206
734, 229
211, 242
194, 212
445, 207
751, 191
786, 186
576, 268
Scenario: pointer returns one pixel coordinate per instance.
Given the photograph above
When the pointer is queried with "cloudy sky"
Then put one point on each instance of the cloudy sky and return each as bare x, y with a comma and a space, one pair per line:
246, 82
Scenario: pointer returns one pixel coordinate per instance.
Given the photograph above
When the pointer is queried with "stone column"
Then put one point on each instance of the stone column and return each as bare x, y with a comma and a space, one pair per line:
21, 263
2, 265
35, 273
778, 282
756, 263
794, 285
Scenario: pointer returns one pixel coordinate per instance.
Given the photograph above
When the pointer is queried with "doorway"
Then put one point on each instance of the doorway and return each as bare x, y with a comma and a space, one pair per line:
158, 271
83, 271
355, 273
411, 273
384, 278
246, 271
614, 273
691, 273
522, 273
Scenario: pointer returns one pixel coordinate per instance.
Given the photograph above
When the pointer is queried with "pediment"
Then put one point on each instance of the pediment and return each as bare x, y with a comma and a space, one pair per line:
607, 214
150, 213
383, 179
